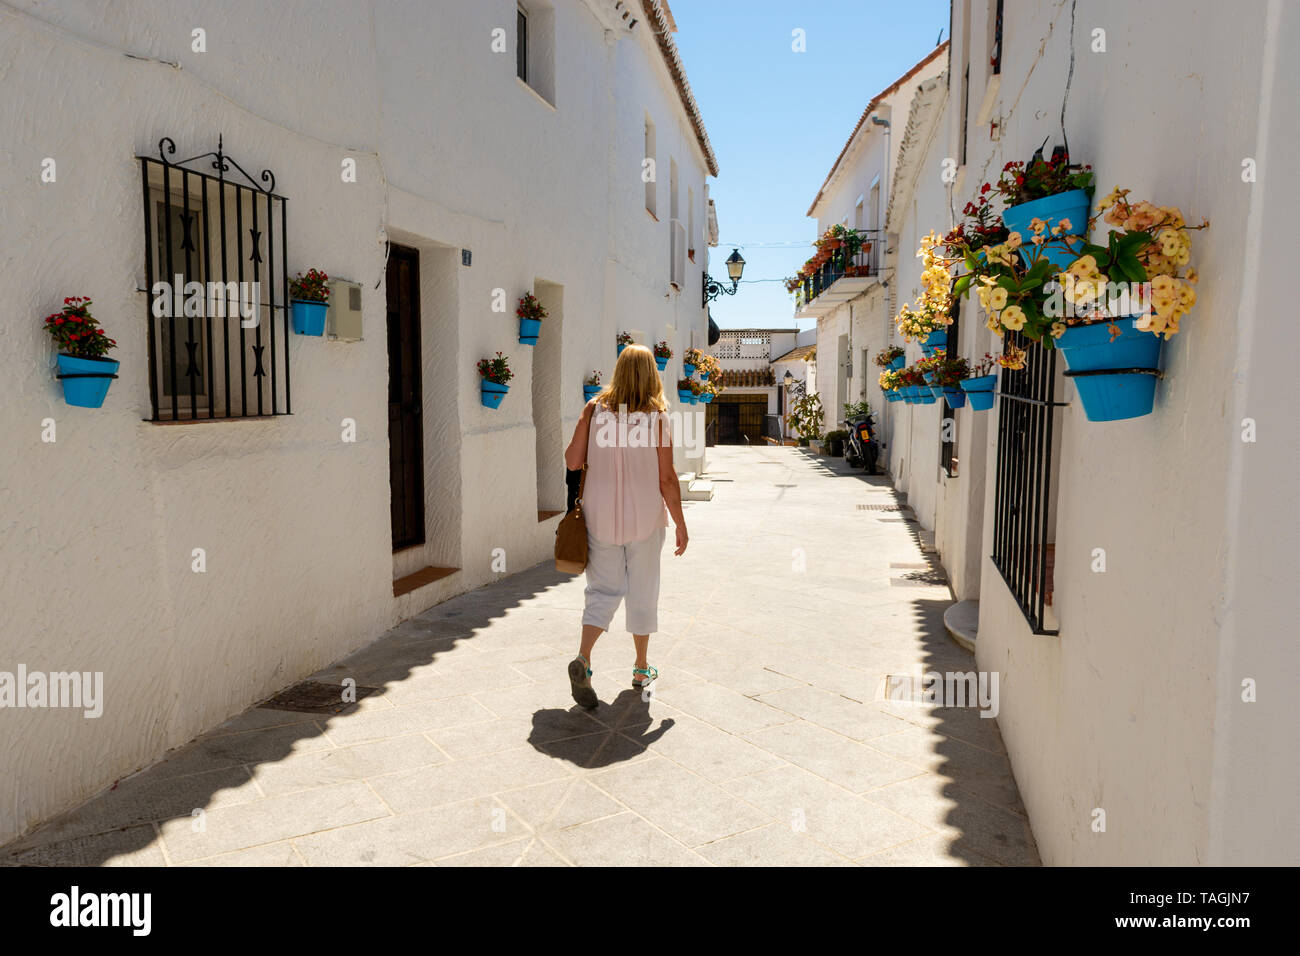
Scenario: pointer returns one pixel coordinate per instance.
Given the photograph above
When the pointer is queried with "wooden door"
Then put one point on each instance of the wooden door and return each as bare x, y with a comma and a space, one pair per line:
405, 398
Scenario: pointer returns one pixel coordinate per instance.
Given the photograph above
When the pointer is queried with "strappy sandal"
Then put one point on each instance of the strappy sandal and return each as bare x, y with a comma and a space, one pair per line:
650, 674
580, 683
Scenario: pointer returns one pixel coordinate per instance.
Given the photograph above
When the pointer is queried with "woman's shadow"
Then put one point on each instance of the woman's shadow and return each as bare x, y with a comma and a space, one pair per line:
626, 734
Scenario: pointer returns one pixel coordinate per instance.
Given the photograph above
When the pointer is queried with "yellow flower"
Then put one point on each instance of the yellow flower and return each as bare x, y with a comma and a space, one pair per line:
1193, 276
1058, 329
1014, 240
998, 298
1037, 225
1065, 225
1084, 267
1111, 198
1013, 317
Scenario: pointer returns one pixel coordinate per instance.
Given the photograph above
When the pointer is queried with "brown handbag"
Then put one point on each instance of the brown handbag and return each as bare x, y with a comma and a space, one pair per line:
571, 536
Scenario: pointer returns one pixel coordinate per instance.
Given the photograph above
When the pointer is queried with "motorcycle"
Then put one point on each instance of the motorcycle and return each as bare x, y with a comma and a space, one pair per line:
860, 447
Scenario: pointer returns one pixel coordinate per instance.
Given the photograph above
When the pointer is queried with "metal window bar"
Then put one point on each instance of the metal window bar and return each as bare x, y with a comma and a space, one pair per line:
192, 375
948, 421
1023, 490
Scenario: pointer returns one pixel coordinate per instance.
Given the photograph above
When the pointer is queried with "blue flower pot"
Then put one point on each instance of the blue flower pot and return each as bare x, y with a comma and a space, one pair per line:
938, 339
86, 380
704, 376
897, 363
924, 396
695, 399
1124, 392
980, 391
891, 395
936, 391
1072, 205
955, 396
589, 392
308, 317
706, 397
928, 376
912, 394
492, 393
684, 396
621, 347
688, 369
661, 362
529, 330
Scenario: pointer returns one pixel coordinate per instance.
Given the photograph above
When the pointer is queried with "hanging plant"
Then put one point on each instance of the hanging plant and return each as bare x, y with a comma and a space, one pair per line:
309, 301
662, 354
890, 357
591, 386
494, 373
530, 313
84, 368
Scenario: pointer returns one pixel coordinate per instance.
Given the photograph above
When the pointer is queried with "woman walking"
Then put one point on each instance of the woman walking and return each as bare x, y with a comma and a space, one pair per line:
624, 440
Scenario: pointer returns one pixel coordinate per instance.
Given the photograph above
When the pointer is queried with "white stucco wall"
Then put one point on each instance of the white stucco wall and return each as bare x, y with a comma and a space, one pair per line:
453, 152
1135, 707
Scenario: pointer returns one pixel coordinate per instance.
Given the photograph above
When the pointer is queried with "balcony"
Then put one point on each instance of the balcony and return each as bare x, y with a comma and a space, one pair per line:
841, 278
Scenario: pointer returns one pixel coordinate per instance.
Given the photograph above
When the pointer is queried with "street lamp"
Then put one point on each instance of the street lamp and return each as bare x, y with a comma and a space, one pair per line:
735, 269
794, 386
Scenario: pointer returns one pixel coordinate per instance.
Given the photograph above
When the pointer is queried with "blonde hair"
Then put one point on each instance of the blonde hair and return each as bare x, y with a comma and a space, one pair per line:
635, 383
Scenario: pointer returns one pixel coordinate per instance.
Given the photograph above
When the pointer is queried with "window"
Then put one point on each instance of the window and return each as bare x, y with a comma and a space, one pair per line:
218, 328
965, 83
521, 45
995, 47
535, 47
648, 170
1023, 499
690, 223
948, 421
672, 189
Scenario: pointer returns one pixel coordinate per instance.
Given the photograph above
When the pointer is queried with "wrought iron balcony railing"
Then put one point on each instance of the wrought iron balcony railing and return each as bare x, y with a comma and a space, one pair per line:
865, 262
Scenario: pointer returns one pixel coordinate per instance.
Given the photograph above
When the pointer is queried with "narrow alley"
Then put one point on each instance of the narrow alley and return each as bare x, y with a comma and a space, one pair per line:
768, 739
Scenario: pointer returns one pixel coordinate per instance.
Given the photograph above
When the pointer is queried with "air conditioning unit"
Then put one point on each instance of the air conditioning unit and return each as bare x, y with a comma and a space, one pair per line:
677, 253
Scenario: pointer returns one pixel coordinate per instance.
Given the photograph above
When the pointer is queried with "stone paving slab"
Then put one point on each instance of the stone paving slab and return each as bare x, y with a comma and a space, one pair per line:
768, 740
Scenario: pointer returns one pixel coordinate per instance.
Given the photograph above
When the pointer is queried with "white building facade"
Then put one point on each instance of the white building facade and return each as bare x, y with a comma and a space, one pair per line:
1139, 732
202, 566
850, 310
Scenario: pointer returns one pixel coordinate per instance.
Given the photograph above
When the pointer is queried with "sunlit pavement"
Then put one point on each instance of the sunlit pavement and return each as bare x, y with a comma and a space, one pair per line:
767, 740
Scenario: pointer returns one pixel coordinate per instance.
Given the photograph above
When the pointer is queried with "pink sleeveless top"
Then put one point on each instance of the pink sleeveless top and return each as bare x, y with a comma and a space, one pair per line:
621, 500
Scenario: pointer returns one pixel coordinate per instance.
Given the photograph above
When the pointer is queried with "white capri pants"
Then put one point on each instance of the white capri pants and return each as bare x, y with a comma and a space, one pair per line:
615, 571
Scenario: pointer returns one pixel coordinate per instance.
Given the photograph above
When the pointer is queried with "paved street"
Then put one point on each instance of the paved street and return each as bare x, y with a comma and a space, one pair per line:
767, 741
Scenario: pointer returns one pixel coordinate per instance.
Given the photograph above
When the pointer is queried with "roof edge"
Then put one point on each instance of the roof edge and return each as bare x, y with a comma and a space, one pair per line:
661, 23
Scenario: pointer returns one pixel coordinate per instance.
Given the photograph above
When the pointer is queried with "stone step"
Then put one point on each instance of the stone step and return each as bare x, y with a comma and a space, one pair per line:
699, 489
962, 621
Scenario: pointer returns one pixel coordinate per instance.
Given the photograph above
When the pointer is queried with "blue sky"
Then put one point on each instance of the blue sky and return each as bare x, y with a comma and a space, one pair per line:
777, 119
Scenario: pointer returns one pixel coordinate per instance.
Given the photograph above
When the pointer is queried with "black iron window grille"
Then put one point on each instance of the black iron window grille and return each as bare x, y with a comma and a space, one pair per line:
218, 289
1023, 515
948, 422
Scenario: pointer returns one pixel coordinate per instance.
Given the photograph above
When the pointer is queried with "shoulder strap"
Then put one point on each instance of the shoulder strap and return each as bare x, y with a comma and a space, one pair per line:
582, 483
